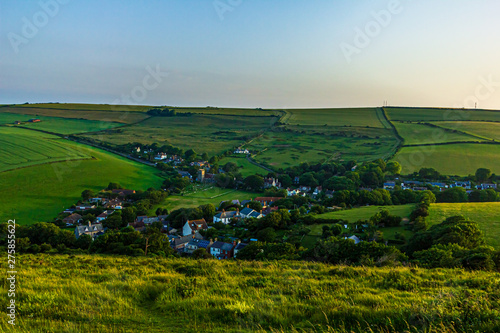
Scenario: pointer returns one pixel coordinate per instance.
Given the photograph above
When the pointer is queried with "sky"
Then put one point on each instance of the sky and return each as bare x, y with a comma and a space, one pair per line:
251, 53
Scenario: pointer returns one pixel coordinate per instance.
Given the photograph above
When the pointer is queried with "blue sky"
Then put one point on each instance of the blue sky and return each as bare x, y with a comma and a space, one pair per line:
251, 53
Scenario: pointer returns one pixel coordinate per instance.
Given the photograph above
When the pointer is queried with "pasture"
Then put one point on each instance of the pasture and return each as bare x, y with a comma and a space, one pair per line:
245, 167
487, 130
437, 114
284, 149
23, 148
212, 134
40, 192
415, 134
450, 159
356, 117
486, 214
364, 213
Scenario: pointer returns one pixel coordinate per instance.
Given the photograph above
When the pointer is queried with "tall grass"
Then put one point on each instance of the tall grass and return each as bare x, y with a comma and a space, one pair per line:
120, 294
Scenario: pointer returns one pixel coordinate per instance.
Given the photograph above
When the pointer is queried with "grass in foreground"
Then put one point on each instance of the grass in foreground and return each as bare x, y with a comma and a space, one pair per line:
486, 214
119, 294
40, 192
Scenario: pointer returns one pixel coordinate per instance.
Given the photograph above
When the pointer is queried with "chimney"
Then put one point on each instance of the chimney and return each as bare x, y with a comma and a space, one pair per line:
248, 206
216, 239
90, 224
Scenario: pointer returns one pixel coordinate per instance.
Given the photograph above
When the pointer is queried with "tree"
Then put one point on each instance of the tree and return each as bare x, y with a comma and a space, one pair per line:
201, 254
230, 167
87, 194
208, 211
428, 173
483, 174
190, 154
285, 180
204, 156
114, 186
129, 215
266, 235
114, 222
254, 182
83, 242
393, 167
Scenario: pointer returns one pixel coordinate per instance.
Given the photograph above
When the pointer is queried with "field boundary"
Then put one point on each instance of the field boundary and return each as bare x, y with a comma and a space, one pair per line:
400, 139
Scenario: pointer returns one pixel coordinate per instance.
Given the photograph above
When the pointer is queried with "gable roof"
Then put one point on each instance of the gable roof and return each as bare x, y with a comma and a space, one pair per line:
92, 228
240, 246
73, 217
246, 211
268, 199
227, 215
198, 224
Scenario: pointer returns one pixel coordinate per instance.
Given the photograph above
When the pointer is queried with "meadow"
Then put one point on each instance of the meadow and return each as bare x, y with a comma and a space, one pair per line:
81, 293
198, 195
415, 134
244, 166
40, 192
450, 159
486, 214
487, 130
356, 117
23, 148
212, 134
364, 213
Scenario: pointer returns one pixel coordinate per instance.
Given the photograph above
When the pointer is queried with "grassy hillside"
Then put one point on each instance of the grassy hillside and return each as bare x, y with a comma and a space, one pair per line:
23, 148
437, 114
364, 213
245, 167
119, 294
40, 192
414, 134
487, 214
361, 117
489, 130
452, 159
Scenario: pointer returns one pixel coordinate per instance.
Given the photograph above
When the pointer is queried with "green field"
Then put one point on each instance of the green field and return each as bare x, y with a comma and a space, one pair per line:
452, 159
40, 192
284, 149
364, 213
436, 114
361, 117
82, 293
22, 148
487, 214
414, 134
202, 195
245, 167
487, 130
212, 134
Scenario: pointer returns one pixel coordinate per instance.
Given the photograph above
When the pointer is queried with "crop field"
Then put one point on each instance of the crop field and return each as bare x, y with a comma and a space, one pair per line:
124, 116
212, 134
245, 167
435, 114
415, 134
142, 294
40, 192
203, 195
284, 149
22, 148
451, 159
487, 130
486, 214
362, 117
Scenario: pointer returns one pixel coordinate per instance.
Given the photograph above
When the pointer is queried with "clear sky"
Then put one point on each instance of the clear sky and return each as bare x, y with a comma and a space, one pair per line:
251, 53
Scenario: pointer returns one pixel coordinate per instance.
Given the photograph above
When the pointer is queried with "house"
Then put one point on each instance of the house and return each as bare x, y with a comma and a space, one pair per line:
241, 151
291, 192
138, 226
185, 174
269, 210
221, 250
465, 184
256, 215
306, 189
17, 122
93, 230
271, 182
123, 192
95, 200
296, 180
72, 219
226, 217
85, 207
151, 220
201, 176
354, 238
34, 120
317, 190
245, 212
192, 227
238, 248
195, 244
178, 243
265, 201
104, 215
486, 186
389, 185
329, 194
161, 157
114, 204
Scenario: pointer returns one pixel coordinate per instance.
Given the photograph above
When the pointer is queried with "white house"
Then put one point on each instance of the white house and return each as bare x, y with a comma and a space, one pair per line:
225, 217
192, 227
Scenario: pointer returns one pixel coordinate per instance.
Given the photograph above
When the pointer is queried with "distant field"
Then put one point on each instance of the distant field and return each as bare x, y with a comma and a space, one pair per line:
488, 130
57, 124
435, 114
452, 159
364, 213
121, 115
230, 111
212, 134
204, 195
22, 148
245, 168
40, 192
487, 214
86, 107
337, 117
414, 134
284, 149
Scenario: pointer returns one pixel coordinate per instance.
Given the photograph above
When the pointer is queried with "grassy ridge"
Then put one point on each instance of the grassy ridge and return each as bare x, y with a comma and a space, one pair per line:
414, 134
489, 130
120, 294
40, 192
